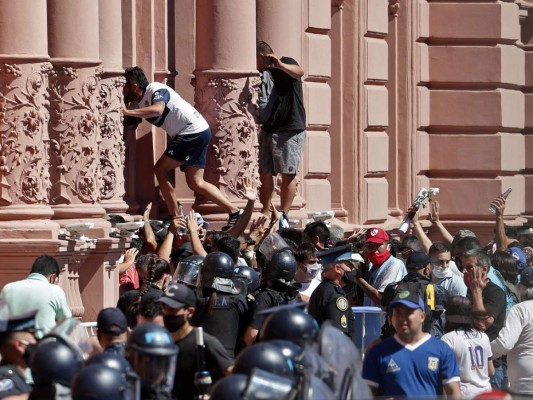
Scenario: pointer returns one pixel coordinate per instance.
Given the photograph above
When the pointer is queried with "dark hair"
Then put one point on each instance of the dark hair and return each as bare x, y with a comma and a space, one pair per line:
411, 242
263, 47
319, 229
136, 75
482, 258
157, 268
145, 259
304, 251
394, 246
230, 246
511, 232
506, 264
295, 235
150, 308
461, 307
45, 265
438, 247
467, 243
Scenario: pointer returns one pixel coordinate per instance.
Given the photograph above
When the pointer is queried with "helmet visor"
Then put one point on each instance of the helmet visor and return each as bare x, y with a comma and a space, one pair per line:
187, 273
155, 371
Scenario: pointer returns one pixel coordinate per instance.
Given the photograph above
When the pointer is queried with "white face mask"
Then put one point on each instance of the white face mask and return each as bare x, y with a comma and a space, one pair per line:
440, 272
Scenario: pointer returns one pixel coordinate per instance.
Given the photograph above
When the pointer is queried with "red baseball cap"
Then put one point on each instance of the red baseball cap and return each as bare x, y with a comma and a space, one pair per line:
376, 235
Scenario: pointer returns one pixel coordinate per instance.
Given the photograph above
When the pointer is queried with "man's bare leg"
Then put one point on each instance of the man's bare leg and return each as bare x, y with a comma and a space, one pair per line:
195, 180
266, 192
288, 191
163, 166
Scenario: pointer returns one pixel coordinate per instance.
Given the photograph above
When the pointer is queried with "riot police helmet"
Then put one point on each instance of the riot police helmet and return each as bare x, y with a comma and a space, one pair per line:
152, 354
54, 361
293, 324
110, 360
246, 279
217, 272
281, 266
187, 270
265, 356
97, 381
229, 387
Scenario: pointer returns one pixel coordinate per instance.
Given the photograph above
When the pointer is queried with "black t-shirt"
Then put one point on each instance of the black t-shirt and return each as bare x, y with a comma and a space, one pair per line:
216, 359
288, 113
221, 319
495, 302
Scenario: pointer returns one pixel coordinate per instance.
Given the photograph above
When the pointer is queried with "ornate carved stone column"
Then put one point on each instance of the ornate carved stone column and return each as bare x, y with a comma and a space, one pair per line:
24, 140
226, 92
74, 115
111, 149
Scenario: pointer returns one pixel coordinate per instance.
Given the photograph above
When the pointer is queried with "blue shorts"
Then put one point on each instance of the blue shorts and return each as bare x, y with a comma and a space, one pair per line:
190, 150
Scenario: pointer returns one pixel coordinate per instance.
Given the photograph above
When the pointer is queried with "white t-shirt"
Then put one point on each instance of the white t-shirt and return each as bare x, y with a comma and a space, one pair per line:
472, 351
179, 117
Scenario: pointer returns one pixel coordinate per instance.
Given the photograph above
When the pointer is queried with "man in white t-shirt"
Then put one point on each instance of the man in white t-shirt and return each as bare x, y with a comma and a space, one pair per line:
442, 273
189, 135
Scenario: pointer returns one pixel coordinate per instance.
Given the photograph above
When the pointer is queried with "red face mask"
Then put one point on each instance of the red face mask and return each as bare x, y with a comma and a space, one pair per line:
466, 279
378, 258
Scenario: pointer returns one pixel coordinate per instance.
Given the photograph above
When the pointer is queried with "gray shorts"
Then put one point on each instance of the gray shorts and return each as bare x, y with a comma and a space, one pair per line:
280, 152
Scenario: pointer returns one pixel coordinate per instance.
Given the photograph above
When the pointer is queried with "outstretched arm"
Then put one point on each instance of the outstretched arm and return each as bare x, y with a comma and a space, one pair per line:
501, 237
419, 232
196, 243
434, 216
250, 194
155, 110
149, 237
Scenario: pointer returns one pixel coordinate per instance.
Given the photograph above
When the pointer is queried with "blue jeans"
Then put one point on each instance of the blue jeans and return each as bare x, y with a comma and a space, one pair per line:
499, 380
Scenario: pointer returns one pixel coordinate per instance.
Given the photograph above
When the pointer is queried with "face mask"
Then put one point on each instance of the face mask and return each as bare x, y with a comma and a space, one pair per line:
466, 279
30, 349
440, 273
307, 274
378, 258
349, 277
174, 322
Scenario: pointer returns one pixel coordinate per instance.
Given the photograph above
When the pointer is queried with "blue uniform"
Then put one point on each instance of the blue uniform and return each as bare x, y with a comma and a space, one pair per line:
398, 369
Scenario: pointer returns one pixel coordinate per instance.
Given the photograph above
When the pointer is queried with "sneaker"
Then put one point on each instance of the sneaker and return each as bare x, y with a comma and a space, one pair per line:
284, 220
232, 219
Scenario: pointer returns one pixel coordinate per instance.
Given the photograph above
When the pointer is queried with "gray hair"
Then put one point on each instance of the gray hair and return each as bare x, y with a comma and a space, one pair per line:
482, 258
526, 293
336, 232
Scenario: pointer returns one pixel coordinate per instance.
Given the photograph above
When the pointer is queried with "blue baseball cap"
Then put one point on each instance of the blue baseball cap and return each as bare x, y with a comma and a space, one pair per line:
409, 299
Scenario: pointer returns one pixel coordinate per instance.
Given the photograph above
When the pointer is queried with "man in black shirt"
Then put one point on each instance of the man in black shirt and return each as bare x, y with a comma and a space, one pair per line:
178, 307
282, 136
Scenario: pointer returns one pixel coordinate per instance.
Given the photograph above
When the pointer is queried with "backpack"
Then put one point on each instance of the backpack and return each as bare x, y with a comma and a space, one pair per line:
429, 292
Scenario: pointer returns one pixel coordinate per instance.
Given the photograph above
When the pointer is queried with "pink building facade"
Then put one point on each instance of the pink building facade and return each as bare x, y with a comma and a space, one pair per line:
400, 94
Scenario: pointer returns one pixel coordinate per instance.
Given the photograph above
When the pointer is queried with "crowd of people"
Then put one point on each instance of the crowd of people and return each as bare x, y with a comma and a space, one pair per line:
262, 310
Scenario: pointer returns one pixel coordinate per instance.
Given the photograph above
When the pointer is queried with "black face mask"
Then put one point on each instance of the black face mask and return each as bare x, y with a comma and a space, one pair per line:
174, 322
30, 349
349, 277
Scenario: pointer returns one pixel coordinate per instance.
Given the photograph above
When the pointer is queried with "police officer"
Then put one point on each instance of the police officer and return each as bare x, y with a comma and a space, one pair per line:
328, 301
219, 307
16, 343
276, 289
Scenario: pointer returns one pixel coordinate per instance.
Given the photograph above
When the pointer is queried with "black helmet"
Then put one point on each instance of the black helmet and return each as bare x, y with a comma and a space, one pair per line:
97, 381
229, 387
152, 345
265, 356
217, 272
292, 324
187, 270
54, 361
289, 349
110, 360
246, 279
282, 266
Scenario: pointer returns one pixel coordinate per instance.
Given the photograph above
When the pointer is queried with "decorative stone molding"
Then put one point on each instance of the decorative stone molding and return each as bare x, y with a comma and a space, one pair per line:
24, 140
229, 104
394, 8
337, 3
112, 147
73, 128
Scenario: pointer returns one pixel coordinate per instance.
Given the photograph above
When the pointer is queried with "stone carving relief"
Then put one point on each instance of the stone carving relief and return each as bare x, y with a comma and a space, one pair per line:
230, 106
73, 127
24, 137
112, 147
394, 8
